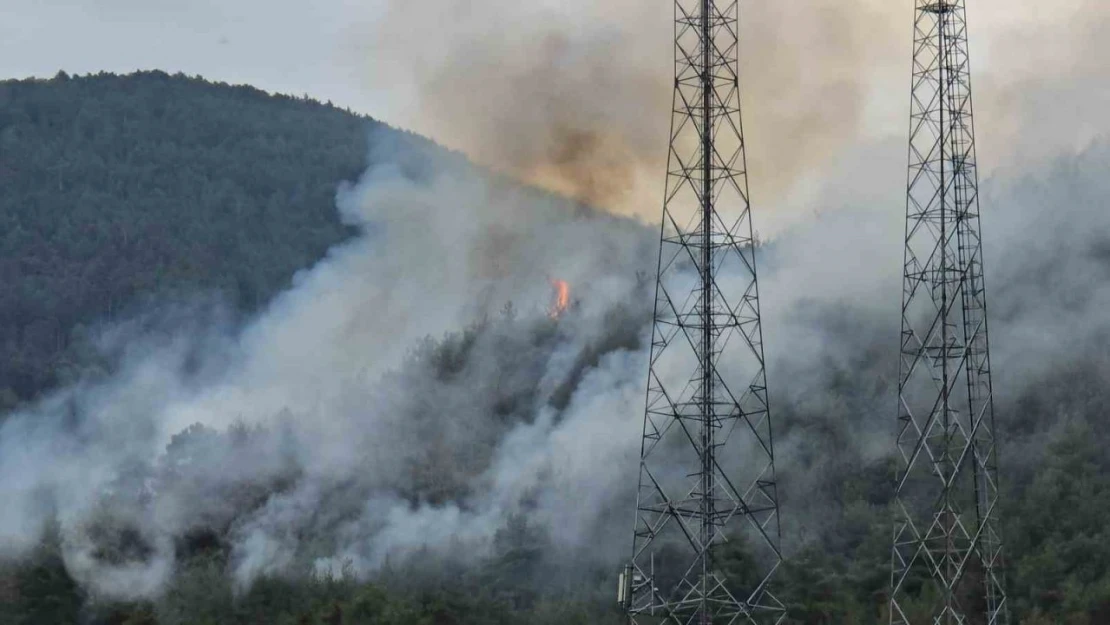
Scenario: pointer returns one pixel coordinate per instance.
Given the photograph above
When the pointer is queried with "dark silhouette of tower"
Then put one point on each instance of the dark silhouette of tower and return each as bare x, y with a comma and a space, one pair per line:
947, 551
706, 541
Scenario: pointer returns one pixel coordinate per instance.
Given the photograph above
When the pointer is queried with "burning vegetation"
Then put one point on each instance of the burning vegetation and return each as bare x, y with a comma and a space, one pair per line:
560, 300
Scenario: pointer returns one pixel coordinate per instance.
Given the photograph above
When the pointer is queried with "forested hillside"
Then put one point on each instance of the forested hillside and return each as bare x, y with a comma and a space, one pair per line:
481, 476
116, 189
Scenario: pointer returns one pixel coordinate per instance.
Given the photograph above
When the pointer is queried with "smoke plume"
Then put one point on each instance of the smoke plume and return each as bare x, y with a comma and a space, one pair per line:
409, 392
574, 97
412, 395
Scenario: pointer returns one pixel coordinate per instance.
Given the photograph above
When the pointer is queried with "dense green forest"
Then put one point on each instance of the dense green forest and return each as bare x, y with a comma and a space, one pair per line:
120, 192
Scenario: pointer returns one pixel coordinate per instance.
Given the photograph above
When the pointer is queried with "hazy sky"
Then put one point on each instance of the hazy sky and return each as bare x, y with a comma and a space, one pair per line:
294, 47
574, 94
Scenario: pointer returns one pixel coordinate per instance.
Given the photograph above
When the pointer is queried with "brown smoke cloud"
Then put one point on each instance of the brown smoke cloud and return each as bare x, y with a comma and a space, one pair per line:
1043, 84
574, 95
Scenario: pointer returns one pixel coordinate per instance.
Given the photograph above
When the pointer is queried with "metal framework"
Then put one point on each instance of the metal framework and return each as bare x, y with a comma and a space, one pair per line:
706, 539
947, 548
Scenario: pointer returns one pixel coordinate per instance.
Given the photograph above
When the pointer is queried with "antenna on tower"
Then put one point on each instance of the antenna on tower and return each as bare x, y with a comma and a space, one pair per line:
706, 539
946, 498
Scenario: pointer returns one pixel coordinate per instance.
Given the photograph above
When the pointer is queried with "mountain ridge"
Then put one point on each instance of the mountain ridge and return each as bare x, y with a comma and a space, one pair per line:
195, 186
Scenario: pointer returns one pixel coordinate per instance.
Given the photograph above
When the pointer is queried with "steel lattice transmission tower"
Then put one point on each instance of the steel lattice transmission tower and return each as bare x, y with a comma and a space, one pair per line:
706, 540
947, 550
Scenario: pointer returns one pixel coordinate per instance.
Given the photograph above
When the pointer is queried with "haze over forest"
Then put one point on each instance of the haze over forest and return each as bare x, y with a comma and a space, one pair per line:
266, 360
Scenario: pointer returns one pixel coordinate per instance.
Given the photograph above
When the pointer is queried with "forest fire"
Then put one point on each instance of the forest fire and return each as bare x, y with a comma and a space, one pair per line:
561, 300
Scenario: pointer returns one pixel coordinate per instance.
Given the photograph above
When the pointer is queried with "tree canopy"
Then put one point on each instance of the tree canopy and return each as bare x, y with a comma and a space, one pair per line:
116, 189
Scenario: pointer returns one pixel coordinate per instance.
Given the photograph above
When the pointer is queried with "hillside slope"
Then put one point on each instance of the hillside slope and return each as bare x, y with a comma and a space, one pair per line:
116, 189
121, 192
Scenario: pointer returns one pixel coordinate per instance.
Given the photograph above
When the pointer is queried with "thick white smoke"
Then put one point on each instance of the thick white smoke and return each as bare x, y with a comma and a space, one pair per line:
340, 399
332, 429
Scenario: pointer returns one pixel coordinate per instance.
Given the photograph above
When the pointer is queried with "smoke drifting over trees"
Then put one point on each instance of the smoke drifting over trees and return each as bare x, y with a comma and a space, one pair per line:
373, 440
408, 401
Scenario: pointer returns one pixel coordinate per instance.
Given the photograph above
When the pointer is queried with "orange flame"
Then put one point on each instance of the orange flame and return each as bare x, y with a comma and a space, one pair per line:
562, 298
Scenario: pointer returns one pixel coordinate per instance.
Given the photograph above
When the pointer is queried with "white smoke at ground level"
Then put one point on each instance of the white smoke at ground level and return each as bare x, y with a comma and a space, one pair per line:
366, 443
